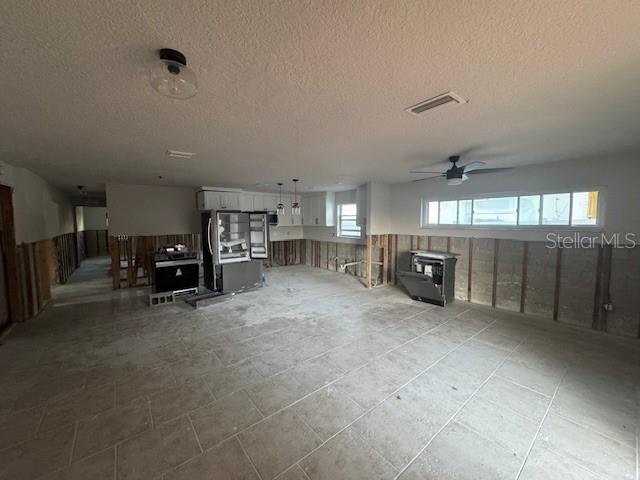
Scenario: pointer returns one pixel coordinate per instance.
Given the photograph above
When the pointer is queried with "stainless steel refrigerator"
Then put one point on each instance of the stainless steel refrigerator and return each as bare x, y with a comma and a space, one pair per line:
230, 239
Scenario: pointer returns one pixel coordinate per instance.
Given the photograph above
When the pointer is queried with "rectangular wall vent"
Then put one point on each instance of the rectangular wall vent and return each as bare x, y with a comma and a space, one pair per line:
436, 103
177, 154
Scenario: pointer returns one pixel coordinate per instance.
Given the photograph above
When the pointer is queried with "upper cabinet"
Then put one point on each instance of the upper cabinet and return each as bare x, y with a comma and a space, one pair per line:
318, 209
264, 202
218, 200
236, 200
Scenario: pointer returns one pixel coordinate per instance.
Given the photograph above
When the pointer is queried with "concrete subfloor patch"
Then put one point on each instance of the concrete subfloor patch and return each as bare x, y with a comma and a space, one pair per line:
311, 377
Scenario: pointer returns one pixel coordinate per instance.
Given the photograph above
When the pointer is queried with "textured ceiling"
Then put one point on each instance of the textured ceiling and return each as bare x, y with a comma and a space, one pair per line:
313, 89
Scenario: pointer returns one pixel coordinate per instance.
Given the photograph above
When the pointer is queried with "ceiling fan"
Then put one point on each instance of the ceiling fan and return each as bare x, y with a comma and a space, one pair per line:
458, 174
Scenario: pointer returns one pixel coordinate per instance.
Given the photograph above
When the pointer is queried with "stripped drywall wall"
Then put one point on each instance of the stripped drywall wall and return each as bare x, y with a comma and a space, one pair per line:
569, 285
326, 255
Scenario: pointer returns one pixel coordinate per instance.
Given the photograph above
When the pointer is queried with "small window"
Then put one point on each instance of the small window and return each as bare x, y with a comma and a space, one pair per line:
495, 211
465, 210
433, 213
449, 212
584, 210
556, 208
529, 210
577, 209
347, 221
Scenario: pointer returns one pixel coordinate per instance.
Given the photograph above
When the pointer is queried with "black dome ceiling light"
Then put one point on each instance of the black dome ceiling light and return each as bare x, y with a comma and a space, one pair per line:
171, 77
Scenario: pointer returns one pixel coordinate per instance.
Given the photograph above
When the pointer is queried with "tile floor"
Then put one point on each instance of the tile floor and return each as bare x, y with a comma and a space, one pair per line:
311, 377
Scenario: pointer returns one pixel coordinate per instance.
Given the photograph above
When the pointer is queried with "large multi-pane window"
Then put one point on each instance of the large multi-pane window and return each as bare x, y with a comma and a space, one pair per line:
575, 209
347, 221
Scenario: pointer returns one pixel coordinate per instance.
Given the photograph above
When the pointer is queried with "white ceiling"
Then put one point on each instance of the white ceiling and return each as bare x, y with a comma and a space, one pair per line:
313, 89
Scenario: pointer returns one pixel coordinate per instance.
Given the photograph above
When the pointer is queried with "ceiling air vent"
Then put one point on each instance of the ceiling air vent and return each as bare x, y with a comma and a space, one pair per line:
177, 154
436, 103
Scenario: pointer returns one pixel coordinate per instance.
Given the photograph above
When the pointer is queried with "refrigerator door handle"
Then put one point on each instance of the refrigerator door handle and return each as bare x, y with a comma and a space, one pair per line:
209, 237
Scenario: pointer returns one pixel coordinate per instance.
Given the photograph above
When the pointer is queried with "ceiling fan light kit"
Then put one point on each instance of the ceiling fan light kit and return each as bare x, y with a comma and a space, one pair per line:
458, 174
171, 77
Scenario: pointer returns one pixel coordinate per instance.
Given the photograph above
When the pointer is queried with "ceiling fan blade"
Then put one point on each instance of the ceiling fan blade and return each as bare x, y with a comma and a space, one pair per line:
472, 166
488, 170
422, 171
428, 178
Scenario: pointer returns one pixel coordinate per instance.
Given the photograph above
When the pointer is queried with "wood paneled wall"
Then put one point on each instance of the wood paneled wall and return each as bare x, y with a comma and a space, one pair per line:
39, 266
132, 256
568, 285
329, 256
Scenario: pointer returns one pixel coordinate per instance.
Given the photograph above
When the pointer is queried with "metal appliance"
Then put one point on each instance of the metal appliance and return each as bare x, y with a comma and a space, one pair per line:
432, 277
259, 235
175, 269
233, 237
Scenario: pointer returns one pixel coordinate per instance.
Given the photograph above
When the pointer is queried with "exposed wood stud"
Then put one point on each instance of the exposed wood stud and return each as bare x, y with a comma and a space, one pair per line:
369, 259
556, 294
607, 256
494, 286
597, 294
469, 270
523, 283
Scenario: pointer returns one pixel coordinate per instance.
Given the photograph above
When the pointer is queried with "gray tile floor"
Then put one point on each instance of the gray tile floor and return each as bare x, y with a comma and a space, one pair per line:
312, 377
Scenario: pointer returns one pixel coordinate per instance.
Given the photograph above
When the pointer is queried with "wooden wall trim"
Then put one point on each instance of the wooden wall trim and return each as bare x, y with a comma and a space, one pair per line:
597, 295
523, 283
470, 269
494, 280
558, 277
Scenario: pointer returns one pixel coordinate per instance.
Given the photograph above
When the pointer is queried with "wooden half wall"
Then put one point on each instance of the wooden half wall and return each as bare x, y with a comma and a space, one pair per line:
333, 256
132, 256
40, 265
568, 285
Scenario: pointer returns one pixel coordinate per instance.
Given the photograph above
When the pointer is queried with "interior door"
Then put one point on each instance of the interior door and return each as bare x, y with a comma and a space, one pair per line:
5, 316
4, 300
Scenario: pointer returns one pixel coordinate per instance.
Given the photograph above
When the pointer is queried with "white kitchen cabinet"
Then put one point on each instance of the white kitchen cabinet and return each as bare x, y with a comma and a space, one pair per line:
264, 202
218, 200
247, 202
319, 210
270, 202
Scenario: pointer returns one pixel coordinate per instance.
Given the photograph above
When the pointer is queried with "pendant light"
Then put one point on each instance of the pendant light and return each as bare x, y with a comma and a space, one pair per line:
295, 207
280, 206
171, 77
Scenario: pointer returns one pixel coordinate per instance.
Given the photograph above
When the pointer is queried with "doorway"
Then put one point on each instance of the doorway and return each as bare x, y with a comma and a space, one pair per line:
9, 294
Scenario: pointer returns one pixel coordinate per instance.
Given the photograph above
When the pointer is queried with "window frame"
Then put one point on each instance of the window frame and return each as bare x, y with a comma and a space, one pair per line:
598, 226
339, 230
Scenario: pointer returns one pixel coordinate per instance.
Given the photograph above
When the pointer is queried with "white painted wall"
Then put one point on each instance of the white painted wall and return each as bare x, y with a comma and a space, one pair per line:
151, 210
379, 208
94, 218
41, 211
80, 218
618, 178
